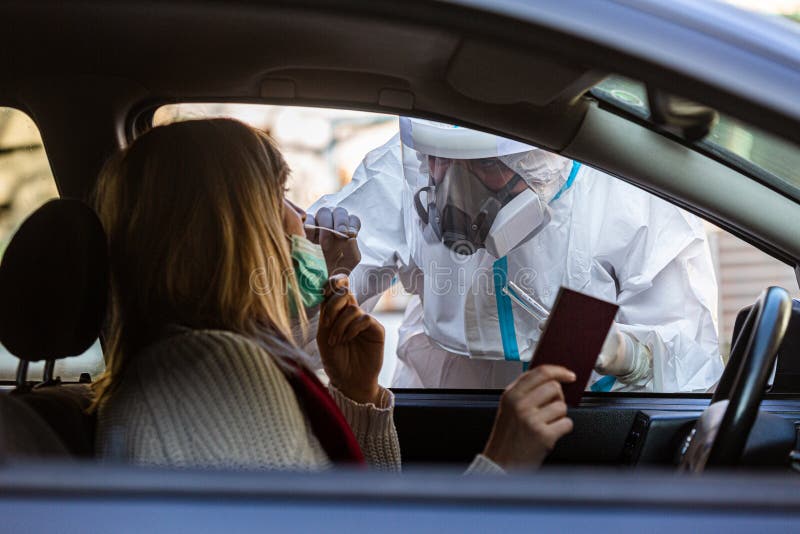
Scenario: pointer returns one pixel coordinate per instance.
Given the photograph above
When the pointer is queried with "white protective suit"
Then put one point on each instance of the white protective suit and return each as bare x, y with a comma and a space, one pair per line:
605, 238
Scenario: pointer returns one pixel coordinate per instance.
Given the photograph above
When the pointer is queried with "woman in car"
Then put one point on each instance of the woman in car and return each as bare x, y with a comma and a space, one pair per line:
210, 270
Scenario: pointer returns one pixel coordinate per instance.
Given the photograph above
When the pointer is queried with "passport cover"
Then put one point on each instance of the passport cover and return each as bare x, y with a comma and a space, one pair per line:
574, 334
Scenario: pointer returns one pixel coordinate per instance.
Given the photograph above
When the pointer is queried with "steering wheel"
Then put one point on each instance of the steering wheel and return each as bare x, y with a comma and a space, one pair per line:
742, 384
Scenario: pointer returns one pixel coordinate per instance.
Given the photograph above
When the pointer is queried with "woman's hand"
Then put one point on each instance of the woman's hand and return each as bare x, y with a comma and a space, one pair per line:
350, 343
341, 253
531, 418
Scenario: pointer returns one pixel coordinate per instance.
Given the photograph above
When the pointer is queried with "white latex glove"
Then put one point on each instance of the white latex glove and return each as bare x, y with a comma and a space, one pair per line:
339, 243
623, 357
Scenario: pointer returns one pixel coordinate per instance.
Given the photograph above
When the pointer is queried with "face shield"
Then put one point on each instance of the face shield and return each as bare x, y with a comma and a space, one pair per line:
473, 190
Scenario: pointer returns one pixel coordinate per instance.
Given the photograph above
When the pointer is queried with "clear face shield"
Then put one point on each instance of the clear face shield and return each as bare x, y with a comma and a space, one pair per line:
476, 198
473, 190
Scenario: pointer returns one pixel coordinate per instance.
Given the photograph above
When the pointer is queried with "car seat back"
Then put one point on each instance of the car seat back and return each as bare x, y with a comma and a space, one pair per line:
53, 296
787, 376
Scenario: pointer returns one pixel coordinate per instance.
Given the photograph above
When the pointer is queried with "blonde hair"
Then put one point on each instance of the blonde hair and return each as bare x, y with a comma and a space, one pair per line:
193, 211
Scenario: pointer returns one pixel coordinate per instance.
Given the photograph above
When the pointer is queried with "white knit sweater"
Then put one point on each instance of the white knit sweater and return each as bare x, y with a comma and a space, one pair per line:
217, 399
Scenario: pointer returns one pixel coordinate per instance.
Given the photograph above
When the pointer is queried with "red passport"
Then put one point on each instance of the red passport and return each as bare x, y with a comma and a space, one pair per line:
575, 333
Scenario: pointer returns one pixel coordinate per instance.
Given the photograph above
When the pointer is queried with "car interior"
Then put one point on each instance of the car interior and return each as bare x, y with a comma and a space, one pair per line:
95, 84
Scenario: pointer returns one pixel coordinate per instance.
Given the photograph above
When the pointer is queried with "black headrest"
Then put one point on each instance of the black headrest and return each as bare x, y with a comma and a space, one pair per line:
54, 283
787, 376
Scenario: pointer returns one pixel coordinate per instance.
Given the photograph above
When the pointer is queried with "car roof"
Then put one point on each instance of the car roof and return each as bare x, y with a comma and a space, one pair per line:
175, 46
756, 57
100, 66
769, 37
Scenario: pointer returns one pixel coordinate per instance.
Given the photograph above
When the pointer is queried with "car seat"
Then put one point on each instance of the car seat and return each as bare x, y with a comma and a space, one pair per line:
787, 376
53, 297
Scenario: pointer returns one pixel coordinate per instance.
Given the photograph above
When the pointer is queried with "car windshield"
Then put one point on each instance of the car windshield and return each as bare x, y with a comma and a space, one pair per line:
770, 158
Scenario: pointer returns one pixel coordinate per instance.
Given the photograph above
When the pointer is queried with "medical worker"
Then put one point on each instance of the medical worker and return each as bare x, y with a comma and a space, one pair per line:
483, 231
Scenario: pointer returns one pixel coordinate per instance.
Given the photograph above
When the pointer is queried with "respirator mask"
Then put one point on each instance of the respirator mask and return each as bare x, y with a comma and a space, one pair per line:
466, 214
473, 190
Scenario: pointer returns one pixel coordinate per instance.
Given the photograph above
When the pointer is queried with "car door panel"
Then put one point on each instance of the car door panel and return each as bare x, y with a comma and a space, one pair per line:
451, 427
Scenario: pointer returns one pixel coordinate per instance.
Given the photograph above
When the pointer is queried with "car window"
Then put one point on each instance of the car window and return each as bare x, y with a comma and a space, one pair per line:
743, 271
769, 157
679, 281
26, 183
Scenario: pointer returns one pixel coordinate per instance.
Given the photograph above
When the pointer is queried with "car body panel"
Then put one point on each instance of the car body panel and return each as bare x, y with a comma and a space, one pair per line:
89, 498
755, 57
84, 70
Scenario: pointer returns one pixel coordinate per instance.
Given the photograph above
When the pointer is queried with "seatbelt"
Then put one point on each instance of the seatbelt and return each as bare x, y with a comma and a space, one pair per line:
326, 419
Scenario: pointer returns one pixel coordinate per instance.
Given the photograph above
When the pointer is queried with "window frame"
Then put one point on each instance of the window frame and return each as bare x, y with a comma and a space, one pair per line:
140, 120
36, 368
705, 147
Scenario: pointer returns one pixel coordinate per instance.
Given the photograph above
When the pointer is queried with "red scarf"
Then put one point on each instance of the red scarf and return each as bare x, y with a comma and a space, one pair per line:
327, 421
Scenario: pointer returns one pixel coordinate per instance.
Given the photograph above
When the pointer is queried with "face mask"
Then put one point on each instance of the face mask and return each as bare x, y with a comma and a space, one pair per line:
466, 215
519, 220
311, 272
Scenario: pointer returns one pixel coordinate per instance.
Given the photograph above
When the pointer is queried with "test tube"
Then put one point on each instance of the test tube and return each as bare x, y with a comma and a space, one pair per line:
525, 301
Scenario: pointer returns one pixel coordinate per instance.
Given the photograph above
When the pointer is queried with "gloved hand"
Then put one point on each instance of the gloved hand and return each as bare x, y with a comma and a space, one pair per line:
340, 248
623, 357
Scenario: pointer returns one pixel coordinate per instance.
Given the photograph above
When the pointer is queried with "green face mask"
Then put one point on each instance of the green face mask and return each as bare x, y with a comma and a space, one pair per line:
311, 272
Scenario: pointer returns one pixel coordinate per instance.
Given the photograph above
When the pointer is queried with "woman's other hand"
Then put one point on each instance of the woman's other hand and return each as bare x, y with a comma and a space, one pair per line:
350, 343
531, 418
341, 253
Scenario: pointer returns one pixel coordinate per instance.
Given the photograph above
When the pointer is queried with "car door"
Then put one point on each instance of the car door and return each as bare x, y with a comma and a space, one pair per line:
452, 425
477, 65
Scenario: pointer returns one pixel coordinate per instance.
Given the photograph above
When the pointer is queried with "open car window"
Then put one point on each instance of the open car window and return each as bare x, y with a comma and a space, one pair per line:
679, 280
26, 182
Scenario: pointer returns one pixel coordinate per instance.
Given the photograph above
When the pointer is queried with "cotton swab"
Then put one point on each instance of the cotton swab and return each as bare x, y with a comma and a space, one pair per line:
331, 230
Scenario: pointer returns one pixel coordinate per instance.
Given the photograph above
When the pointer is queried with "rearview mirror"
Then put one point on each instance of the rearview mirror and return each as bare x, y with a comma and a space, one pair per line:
688, 119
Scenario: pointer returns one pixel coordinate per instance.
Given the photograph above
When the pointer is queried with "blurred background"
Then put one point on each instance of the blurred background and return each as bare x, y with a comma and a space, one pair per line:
323, 148
783, 8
